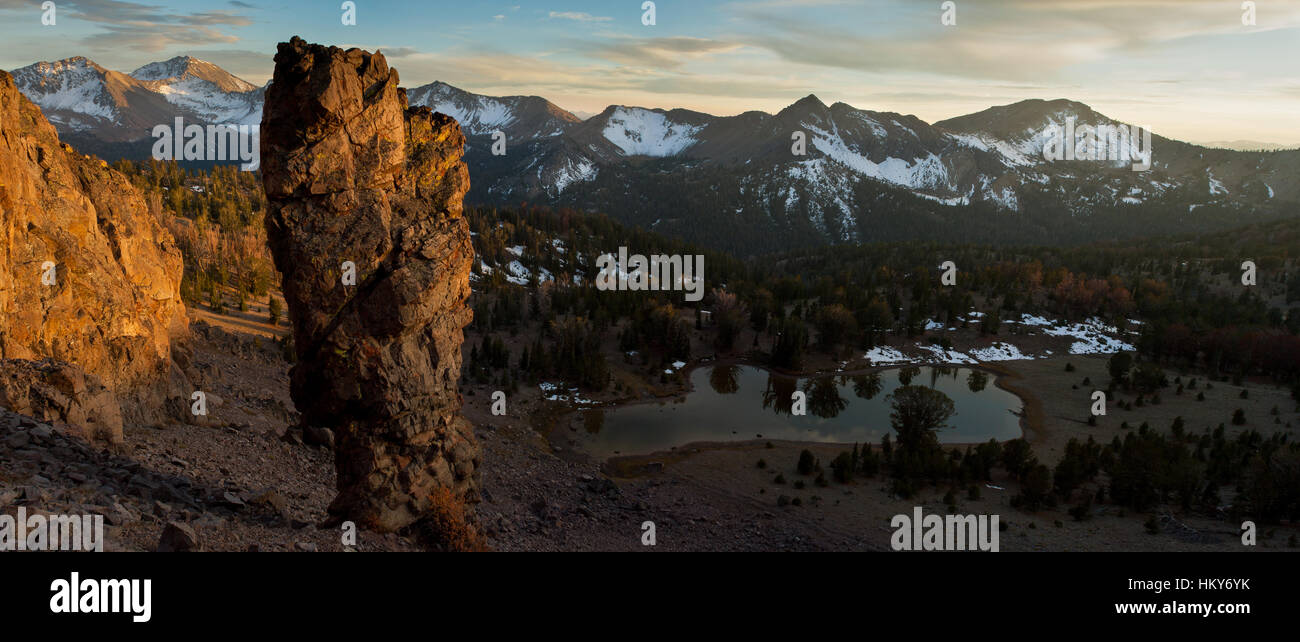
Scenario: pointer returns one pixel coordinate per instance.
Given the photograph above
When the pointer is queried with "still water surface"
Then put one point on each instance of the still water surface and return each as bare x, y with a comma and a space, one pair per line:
740, 402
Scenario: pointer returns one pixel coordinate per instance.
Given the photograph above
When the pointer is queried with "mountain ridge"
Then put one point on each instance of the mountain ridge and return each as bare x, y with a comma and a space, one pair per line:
858, 165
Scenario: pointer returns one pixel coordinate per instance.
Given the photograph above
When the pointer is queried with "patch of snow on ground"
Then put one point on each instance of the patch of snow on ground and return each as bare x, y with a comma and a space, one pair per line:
1092, 337
947, 356
549, 393
885, 355
999, 352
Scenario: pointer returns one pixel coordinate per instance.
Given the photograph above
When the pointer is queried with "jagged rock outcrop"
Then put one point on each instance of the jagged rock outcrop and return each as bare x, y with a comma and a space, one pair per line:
57, 392
88, 276
352, 174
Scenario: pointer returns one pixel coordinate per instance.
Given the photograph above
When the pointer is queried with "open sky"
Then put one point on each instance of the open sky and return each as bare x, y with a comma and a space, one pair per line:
1189, 69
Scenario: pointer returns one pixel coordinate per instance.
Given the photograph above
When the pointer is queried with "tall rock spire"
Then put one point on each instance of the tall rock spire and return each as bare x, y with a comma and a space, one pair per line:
355, 179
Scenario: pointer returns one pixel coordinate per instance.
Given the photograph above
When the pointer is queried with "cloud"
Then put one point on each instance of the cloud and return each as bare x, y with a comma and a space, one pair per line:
661, 53
145, 27
989, 41
505, 73
397, 52
138, 14
151, 39
579, 16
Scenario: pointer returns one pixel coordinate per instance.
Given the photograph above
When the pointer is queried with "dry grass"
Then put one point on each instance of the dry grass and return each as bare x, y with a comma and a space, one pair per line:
448, 526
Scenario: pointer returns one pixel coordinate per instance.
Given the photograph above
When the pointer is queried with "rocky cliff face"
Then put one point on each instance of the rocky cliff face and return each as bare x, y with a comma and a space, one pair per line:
353, 175
88, 276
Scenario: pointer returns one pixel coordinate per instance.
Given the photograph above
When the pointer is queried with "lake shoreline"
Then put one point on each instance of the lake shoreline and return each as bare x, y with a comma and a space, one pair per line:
626, 465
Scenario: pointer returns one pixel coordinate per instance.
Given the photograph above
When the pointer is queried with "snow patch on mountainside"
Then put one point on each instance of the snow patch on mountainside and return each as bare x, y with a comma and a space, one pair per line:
819, 185
1012, 155
1216, 185
954, 201
573, 172
641, 132
877, 129
1005, 198
213, 104
480, 118
923, 172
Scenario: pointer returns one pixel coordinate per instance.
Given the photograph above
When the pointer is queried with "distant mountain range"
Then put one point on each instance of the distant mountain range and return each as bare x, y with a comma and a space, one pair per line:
1248, 145
733, 181
111, 114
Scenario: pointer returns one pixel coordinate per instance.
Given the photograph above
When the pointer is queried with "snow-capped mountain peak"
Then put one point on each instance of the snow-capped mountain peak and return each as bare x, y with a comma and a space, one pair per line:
100, 109
73, 92
519, 117
181, 68
210, 92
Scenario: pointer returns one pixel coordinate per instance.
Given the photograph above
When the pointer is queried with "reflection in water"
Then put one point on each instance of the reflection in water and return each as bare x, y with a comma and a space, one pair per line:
905, 375
867, 386
593, 420
724, 379
824, 397
779, 393
938, 371
746, 402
